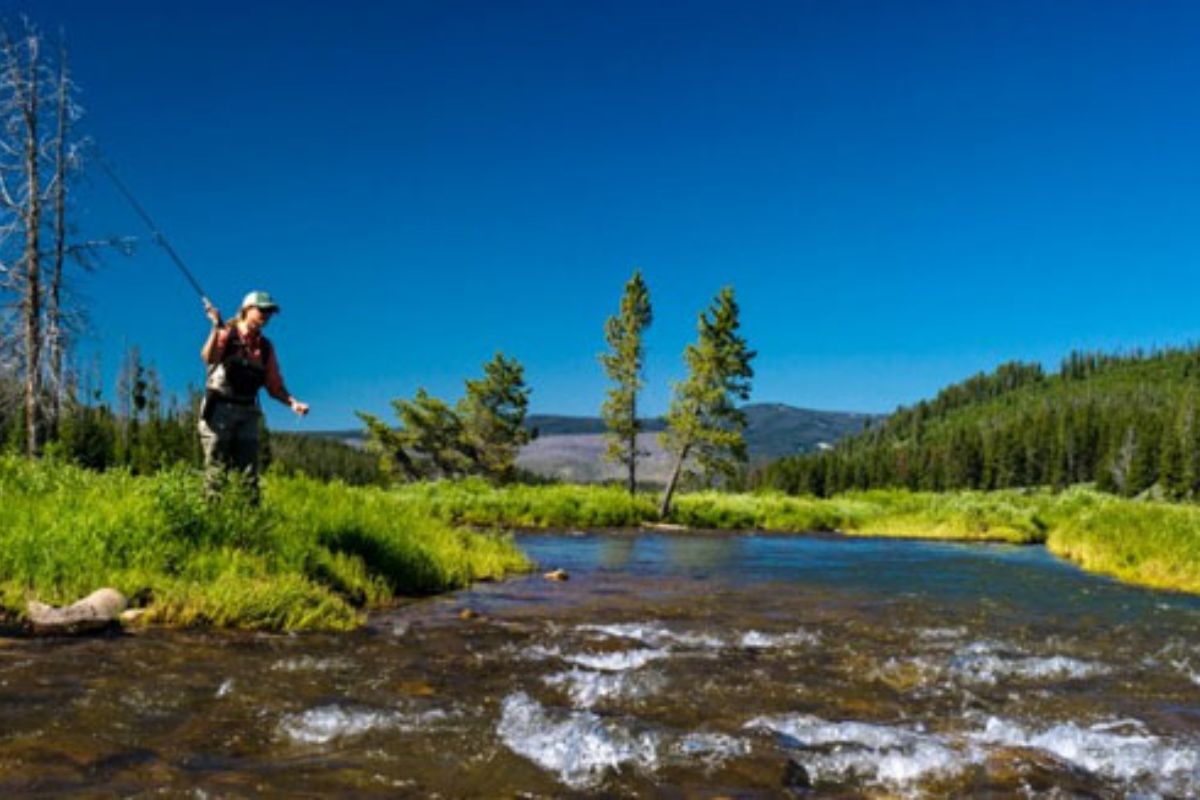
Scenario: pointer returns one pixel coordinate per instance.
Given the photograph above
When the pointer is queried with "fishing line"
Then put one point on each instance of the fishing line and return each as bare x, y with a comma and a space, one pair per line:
159, 237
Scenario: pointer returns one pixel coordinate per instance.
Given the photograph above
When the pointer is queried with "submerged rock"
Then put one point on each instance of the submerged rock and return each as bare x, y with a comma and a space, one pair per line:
795, 776
97, 611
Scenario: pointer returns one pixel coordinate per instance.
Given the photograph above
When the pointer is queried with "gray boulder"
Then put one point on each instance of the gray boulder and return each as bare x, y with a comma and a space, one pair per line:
99, 610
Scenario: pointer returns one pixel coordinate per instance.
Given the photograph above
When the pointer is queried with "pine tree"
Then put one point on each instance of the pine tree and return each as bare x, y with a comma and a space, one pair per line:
479, 436
704, 423
1172, 475
493, 417
623, 364
435, 433
392, 447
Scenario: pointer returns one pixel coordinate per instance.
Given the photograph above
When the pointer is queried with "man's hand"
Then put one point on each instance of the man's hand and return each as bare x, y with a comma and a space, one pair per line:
212, 313
301, 409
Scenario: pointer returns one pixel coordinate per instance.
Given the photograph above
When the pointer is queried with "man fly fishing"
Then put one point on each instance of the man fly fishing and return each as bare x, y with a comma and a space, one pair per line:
240, 361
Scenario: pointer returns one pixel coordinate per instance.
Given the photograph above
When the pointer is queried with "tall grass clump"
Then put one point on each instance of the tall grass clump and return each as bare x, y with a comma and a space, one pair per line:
313, 555
477, 503
1150, 543
1005, 516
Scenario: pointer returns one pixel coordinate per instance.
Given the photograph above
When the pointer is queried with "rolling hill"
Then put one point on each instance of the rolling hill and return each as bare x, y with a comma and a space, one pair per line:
572, 447
1127, 423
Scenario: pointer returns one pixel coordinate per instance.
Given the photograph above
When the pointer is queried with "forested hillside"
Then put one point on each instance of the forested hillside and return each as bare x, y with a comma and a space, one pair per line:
1125, 422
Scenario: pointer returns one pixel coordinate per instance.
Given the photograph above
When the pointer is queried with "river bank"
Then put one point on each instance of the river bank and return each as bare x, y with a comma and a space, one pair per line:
318, 556
312, 556
1142, 542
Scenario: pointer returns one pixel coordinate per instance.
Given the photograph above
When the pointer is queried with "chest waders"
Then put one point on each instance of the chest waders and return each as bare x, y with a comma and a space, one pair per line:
229, 414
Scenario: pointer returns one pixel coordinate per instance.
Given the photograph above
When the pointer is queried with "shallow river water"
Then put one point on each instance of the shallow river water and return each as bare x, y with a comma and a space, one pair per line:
689, 665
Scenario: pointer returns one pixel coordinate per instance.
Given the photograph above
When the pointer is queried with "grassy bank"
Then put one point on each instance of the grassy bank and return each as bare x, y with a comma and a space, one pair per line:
318, 555
1148, 543
313, 556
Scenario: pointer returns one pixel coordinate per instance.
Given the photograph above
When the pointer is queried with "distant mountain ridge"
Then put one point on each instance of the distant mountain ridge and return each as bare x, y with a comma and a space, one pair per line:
773, 429
572, 447
566, 425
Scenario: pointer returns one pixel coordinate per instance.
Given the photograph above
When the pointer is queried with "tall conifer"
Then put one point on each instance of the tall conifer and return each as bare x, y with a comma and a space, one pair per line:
704, 422
623, 364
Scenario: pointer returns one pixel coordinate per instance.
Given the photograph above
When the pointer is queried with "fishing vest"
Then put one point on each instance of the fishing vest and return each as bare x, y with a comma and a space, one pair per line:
237, 377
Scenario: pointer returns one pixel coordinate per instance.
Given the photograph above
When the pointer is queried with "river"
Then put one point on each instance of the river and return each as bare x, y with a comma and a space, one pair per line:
669, 665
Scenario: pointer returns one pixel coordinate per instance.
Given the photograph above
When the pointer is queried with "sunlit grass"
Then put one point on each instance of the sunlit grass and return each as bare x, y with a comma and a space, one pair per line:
1149, 543
314, 555
318, 556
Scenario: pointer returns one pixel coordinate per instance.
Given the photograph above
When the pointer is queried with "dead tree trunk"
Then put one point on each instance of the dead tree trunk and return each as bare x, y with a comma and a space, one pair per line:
25, 90
54, 313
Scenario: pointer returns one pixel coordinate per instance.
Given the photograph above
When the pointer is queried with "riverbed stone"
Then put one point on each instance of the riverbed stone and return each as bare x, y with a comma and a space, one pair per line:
131, 616
97, 611
795, 775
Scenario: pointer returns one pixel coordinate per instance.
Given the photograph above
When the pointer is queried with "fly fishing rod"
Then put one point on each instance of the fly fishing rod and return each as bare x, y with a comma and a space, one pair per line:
159, 238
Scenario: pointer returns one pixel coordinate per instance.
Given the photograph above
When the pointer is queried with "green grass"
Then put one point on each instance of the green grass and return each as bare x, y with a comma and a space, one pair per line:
1149, 543
317, 555
314, 556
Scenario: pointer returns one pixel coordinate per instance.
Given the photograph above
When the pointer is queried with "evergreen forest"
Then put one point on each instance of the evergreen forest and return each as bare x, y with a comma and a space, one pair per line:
1125, 423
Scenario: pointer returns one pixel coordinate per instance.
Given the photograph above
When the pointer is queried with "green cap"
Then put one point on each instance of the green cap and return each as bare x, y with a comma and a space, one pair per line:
260, 300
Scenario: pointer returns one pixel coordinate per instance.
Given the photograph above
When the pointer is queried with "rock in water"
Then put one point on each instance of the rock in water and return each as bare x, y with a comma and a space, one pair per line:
98, 610
557, 575
795, 776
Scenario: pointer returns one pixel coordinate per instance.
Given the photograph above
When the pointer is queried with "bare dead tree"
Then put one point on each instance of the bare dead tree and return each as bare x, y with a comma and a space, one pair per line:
54, 328
20, 85
39, 158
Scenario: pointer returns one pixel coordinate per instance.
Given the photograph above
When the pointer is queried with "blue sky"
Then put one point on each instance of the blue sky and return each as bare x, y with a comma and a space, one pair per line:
902, 194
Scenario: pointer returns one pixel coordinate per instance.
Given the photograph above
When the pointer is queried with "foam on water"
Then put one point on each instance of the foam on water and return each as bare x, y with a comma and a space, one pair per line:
1133, 758
941, 634
988, 662
539, 652
618, 661
884, 755
1180, 656
326, 723
310, 664
655, 635
577, 746
754, 640
711, 749
587, 688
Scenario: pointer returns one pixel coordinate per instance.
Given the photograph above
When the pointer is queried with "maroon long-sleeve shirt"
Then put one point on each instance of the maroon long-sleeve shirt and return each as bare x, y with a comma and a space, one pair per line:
253, 342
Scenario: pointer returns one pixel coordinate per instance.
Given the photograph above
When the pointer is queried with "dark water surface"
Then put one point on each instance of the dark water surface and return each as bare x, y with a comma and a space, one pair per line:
687, 665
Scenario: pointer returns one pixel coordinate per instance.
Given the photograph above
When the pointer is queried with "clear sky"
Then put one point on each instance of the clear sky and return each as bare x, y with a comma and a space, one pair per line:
901, 193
